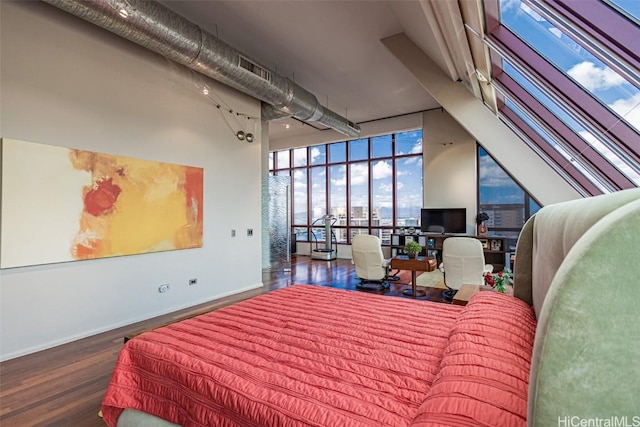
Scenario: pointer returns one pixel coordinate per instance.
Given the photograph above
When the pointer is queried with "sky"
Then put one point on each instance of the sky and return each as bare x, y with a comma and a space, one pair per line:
602, 82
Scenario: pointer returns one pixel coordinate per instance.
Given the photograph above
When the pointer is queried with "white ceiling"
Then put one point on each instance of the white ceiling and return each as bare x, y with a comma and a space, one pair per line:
330, 48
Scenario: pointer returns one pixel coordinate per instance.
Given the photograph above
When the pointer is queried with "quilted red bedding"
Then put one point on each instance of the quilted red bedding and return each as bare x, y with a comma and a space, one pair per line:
305, 355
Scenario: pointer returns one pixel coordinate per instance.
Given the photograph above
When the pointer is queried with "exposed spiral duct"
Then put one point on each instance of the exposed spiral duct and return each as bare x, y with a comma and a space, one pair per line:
163, 31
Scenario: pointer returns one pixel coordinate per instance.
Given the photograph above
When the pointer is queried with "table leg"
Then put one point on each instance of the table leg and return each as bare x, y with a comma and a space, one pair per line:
414, 292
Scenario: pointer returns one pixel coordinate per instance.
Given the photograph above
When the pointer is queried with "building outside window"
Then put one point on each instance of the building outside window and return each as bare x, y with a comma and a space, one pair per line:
371, 186
506, 203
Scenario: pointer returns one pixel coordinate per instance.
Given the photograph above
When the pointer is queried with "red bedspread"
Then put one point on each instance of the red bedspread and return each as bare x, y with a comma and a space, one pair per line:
303, 355
484, 375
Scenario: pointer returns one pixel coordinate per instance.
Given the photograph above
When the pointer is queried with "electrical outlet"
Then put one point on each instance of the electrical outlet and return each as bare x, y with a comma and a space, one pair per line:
193, 282
233, 233
163, 288
249, 232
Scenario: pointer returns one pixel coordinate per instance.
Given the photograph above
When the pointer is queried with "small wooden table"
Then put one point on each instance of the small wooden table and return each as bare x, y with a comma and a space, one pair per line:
465, 293
419, 263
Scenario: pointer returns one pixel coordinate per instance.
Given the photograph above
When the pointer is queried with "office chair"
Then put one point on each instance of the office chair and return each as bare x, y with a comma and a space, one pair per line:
371, 267
462, 263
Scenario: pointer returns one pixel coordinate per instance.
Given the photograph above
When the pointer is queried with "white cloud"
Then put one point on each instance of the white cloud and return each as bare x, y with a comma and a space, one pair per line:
510, 4
381, 170
385, 188
315, 152
492, 175
629, 109
359, 174
556, 32
341, 172
595, 78
535, 15
299, 179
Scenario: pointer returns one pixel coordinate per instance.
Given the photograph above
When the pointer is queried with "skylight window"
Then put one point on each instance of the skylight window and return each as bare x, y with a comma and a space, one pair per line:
569, 121
602, 82
567, 80
563, 151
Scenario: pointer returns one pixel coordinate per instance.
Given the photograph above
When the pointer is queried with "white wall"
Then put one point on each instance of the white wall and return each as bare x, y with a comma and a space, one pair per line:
450, 167
67, 83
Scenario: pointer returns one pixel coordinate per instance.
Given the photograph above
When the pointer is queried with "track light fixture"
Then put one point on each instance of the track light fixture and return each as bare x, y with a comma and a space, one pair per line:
249, 137
240, 135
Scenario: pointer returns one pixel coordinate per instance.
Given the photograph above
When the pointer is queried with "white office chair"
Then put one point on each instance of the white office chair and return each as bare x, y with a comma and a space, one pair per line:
462, 263
371, 267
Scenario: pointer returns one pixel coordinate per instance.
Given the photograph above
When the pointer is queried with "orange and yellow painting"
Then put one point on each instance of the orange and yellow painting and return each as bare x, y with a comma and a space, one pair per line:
61, 204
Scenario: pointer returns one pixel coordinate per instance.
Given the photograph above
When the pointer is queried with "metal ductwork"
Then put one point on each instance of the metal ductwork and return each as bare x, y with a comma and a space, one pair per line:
161, 30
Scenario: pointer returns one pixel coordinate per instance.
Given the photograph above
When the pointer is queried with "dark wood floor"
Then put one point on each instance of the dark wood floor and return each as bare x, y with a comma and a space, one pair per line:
64, 386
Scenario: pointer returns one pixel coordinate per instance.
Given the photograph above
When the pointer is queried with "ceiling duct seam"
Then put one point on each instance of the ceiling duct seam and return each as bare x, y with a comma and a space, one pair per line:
163, 31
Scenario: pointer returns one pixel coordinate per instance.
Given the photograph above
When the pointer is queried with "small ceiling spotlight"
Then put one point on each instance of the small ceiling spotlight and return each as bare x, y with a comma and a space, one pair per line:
240, 135
123, 12
205, 90
287, 126
249, 137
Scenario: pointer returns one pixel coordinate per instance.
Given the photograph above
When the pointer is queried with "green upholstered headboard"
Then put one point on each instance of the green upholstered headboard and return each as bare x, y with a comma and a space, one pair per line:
586, 360
547, 237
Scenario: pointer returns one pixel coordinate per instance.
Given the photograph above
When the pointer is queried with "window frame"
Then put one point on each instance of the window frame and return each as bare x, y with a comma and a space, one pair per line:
347, 229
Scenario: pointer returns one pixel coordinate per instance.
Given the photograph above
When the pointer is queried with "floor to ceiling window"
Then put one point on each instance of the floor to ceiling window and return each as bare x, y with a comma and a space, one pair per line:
502, 198
370, 185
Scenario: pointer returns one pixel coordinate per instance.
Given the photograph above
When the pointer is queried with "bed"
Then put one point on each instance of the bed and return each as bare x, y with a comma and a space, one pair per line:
310, 355
317, 356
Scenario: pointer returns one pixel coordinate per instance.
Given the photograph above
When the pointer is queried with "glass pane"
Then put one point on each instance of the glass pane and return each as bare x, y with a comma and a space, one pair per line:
409, 191
631, 8
301, 234
359, 187
300, 197
318, 155
338, 193
533, 206
357, 231
338, 152
500, 197
409, 142
383, 233
382, 193
381, 146
283, 159
318, 236
503, 200
588, 137
603, 83
300, 157
341, 234
285, 172
318, 192
554, 144
271, 161
359, 149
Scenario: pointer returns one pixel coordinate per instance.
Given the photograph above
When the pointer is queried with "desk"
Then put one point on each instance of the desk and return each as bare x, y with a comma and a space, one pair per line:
420, 263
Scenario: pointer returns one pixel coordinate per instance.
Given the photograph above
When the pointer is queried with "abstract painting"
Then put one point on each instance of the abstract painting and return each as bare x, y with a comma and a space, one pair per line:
61, 204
